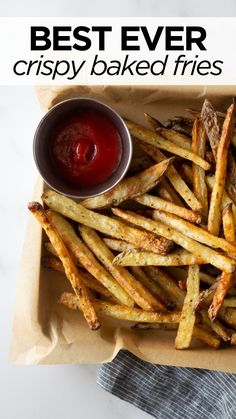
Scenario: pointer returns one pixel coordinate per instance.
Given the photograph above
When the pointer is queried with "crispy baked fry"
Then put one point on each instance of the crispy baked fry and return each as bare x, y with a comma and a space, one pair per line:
205, 253
175, 137
157, 140
214, 216
87, 259
90, 282
173, 176
166, 191
194, 232
199, 183
118, 245
104, 224
129, 187
216, 326
123, 313
158, 203
70, 269
136, 291
187, 319
210, 180
140, 258
150, 284
228, 224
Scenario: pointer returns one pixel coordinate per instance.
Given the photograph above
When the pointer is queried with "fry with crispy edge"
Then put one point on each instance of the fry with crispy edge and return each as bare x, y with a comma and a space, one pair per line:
104, 224
87, 259
90, 282
207, 254
129, 187
70, 269
173, 176
226, 278
157, 140
123, 313
142, 297
214, 216
194, 232
158, 203
140, 258
187, 319
118, 245
175, 137
210, 180
199, 183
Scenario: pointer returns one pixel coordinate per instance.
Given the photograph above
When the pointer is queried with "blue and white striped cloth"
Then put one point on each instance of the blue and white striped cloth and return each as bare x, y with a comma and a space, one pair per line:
170, 392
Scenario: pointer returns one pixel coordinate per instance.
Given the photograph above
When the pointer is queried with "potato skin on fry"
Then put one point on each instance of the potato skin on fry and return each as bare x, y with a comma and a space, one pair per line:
70, 269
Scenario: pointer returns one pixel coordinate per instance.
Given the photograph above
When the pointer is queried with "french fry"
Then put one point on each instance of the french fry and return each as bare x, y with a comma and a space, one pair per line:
216, 326
123, 313
162, 326
158, 203
228, 315
153, 122
157, 140
205, 253
187, 173
187, 319
199, 183
166, 191
87, 259
103, 223
173, 176
194, 232
228, 224
233, 339
118, 245
90, 282
214, 216
70, 269
226, 279
140, 258
175, 137
210, 180
149, 284
142, 297
129, 187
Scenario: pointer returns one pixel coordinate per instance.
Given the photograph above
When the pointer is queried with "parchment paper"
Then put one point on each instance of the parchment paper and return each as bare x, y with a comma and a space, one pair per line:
45, 332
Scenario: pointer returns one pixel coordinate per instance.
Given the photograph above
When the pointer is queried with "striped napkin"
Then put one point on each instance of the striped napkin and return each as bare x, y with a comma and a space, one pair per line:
170, 392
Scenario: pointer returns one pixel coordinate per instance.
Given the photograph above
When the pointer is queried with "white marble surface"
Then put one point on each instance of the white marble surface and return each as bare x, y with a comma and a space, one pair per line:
54, 391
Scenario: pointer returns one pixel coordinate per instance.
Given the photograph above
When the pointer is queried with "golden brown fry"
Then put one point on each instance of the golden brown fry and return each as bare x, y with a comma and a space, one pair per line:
149, 284
210, 180
175, 137
228, 224
214, 216
153, 122
194, 232
87, 259
70, 269
139, 258
121, 312
160, 204
216, 326
210, 122
136, 291
157, 140
90, 282
206, 254
187, 319
129, 187
199, 183
222, 288
233, 339
118, 245
104, 224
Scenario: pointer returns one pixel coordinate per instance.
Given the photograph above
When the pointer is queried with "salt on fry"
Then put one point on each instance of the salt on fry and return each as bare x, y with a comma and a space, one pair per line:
141, 295
70, 269
158, 203
199, 183
123, 313
205, 253
173, 176
157, 140
214, 216
129, 187
187, 319
87, 259
104, 224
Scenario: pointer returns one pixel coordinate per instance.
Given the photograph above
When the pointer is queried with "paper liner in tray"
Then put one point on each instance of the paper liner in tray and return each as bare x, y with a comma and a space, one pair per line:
44, 332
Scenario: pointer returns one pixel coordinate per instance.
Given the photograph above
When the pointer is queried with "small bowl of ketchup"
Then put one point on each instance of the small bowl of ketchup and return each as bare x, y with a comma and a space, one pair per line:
82, 148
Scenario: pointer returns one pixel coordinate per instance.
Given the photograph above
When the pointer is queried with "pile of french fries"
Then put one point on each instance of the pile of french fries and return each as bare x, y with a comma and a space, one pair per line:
169, 262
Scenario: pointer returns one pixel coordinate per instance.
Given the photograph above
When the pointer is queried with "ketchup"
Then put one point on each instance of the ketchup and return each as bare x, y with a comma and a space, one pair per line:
85, 148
